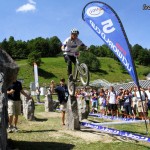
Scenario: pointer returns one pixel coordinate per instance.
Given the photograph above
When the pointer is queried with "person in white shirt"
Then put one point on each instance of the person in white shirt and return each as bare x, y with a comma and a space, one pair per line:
70, 46
112, 98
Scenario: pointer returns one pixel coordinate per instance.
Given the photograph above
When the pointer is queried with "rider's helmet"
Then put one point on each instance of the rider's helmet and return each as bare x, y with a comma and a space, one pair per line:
74, 31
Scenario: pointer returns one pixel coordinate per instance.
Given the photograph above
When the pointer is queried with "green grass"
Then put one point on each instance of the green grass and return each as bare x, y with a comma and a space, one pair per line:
54, 68
47, 133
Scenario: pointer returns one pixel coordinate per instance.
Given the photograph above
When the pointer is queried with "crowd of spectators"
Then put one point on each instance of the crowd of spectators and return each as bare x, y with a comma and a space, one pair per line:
126, 103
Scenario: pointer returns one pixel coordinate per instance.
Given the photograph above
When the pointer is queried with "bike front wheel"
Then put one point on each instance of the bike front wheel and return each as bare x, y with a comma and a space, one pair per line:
84, 74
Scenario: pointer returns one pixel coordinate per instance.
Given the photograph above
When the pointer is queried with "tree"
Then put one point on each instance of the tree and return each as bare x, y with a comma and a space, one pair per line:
39, 45
136, 50
4, 45
21, 49
34, 57
90, 60
144, 57
54, 46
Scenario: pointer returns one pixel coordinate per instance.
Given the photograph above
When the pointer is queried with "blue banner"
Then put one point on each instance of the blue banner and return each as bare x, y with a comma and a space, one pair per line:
116, 132
106, 24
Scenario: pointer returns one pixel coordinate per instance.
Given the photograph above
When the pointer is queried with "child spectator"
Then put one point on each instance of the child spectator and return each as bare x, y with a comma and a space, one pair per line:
102, 102
94, 100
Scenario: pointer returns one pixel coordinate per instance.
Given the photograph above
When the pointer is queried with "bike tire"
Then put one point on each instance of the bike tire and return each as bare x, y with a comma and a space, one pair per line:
84, 74
71, 87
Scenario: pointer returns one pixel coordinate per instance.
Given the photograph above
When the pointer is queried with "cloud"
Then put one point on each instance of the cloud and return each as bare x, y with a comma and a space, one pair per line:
31, 2
30, 6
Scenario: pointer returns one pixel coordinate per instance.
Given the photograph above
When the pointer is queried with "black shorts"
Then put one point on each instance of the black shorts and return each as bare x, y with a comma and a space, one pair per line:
113, 107
70, 58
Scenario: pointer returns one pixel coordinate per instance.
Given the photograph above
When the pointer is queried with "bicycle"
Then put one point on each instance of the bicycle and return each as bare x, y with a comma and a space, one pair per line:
80, 70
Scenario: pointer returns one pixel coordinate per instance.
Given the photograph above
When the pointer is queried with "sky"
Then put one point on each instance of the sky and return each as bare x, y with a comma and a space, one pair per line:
29, 19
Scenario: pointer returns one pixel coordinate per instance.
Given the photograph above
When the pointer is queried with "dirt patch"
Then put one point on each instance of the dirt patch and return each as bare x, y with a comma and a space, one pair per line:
48, 114
86, 134
92, 135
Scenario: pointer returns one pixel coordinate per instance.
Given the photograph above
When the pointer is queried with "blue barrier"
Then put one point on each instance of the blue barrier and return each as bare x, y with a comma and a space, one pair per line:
112, 118
116, 132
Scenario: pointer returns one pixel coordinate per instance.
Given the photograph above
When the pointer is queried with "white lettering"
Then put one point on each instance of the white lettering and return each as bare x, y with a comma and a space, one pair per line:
112, 46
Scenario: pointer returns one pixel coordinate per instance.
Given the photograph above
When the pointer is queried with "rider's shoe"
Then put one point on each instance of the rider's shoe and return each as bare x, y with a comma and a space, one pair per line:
70, 77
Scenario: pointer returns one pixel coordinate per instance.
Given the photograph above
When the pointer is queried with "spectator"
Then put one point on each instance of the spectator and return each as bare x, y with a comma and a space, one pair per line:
87, 98
62, 92
14, 104
94, 100
141, 102
102, 101
112, 98
127, 103
148, 97
106, 95
134, 104
37, 91
121, 101
52, 87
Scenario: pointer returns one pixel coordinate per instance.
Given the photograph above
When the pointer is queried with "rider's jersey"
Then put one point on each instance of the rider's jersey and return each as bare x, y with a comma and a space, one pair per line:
71, 45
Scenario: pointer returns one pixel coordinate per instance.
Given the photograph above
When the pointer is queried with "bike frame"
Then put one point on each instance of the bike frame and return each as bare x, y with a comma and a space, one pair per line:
76, 66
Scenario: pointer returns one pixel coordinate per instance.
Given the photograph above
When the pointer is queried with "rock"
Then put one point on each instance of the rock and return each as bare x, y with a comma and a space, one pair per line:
8, 72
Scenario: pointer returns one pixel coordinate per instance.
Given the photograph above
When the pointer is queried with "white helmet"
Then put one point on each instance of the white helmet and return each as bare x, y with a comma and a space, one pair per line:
74, 31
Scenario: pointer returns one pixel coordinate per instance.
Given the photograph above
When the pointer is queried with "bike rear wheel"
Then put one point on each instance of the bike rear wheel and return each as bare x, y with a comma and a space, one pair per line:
84, 74
71, 86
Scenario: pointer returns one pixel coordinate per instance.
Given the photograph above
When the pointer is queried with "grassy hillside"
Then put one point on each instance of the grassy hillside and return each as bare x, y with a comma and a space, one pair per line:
54, 68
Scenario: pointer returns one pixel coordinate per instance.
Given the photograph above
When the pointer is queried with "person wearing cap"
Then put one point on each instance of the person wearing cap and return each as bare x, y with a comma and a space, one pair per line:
69, 47
121, 101
63, 94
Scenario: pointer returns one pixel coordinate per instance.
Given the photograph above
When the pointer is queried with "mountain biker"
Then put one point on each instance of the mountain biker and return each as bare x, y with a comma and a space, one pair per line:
70, 46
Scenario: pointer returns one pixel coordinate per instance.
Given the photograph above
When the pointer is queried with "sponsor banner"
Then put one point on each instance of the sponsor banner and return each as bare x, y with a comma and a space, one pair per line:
104, 21
116, 132
112, 118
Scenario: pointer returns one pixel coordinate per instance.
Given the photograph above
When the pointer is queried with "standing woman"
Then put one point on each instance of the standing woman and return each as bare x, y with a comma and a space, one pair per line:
52, 87
127, 103
102, 101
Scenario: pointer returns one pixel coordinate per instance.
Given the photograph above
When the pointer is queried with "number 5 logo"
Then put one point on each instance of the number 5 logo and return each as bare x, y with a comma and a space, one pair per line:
108, 26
